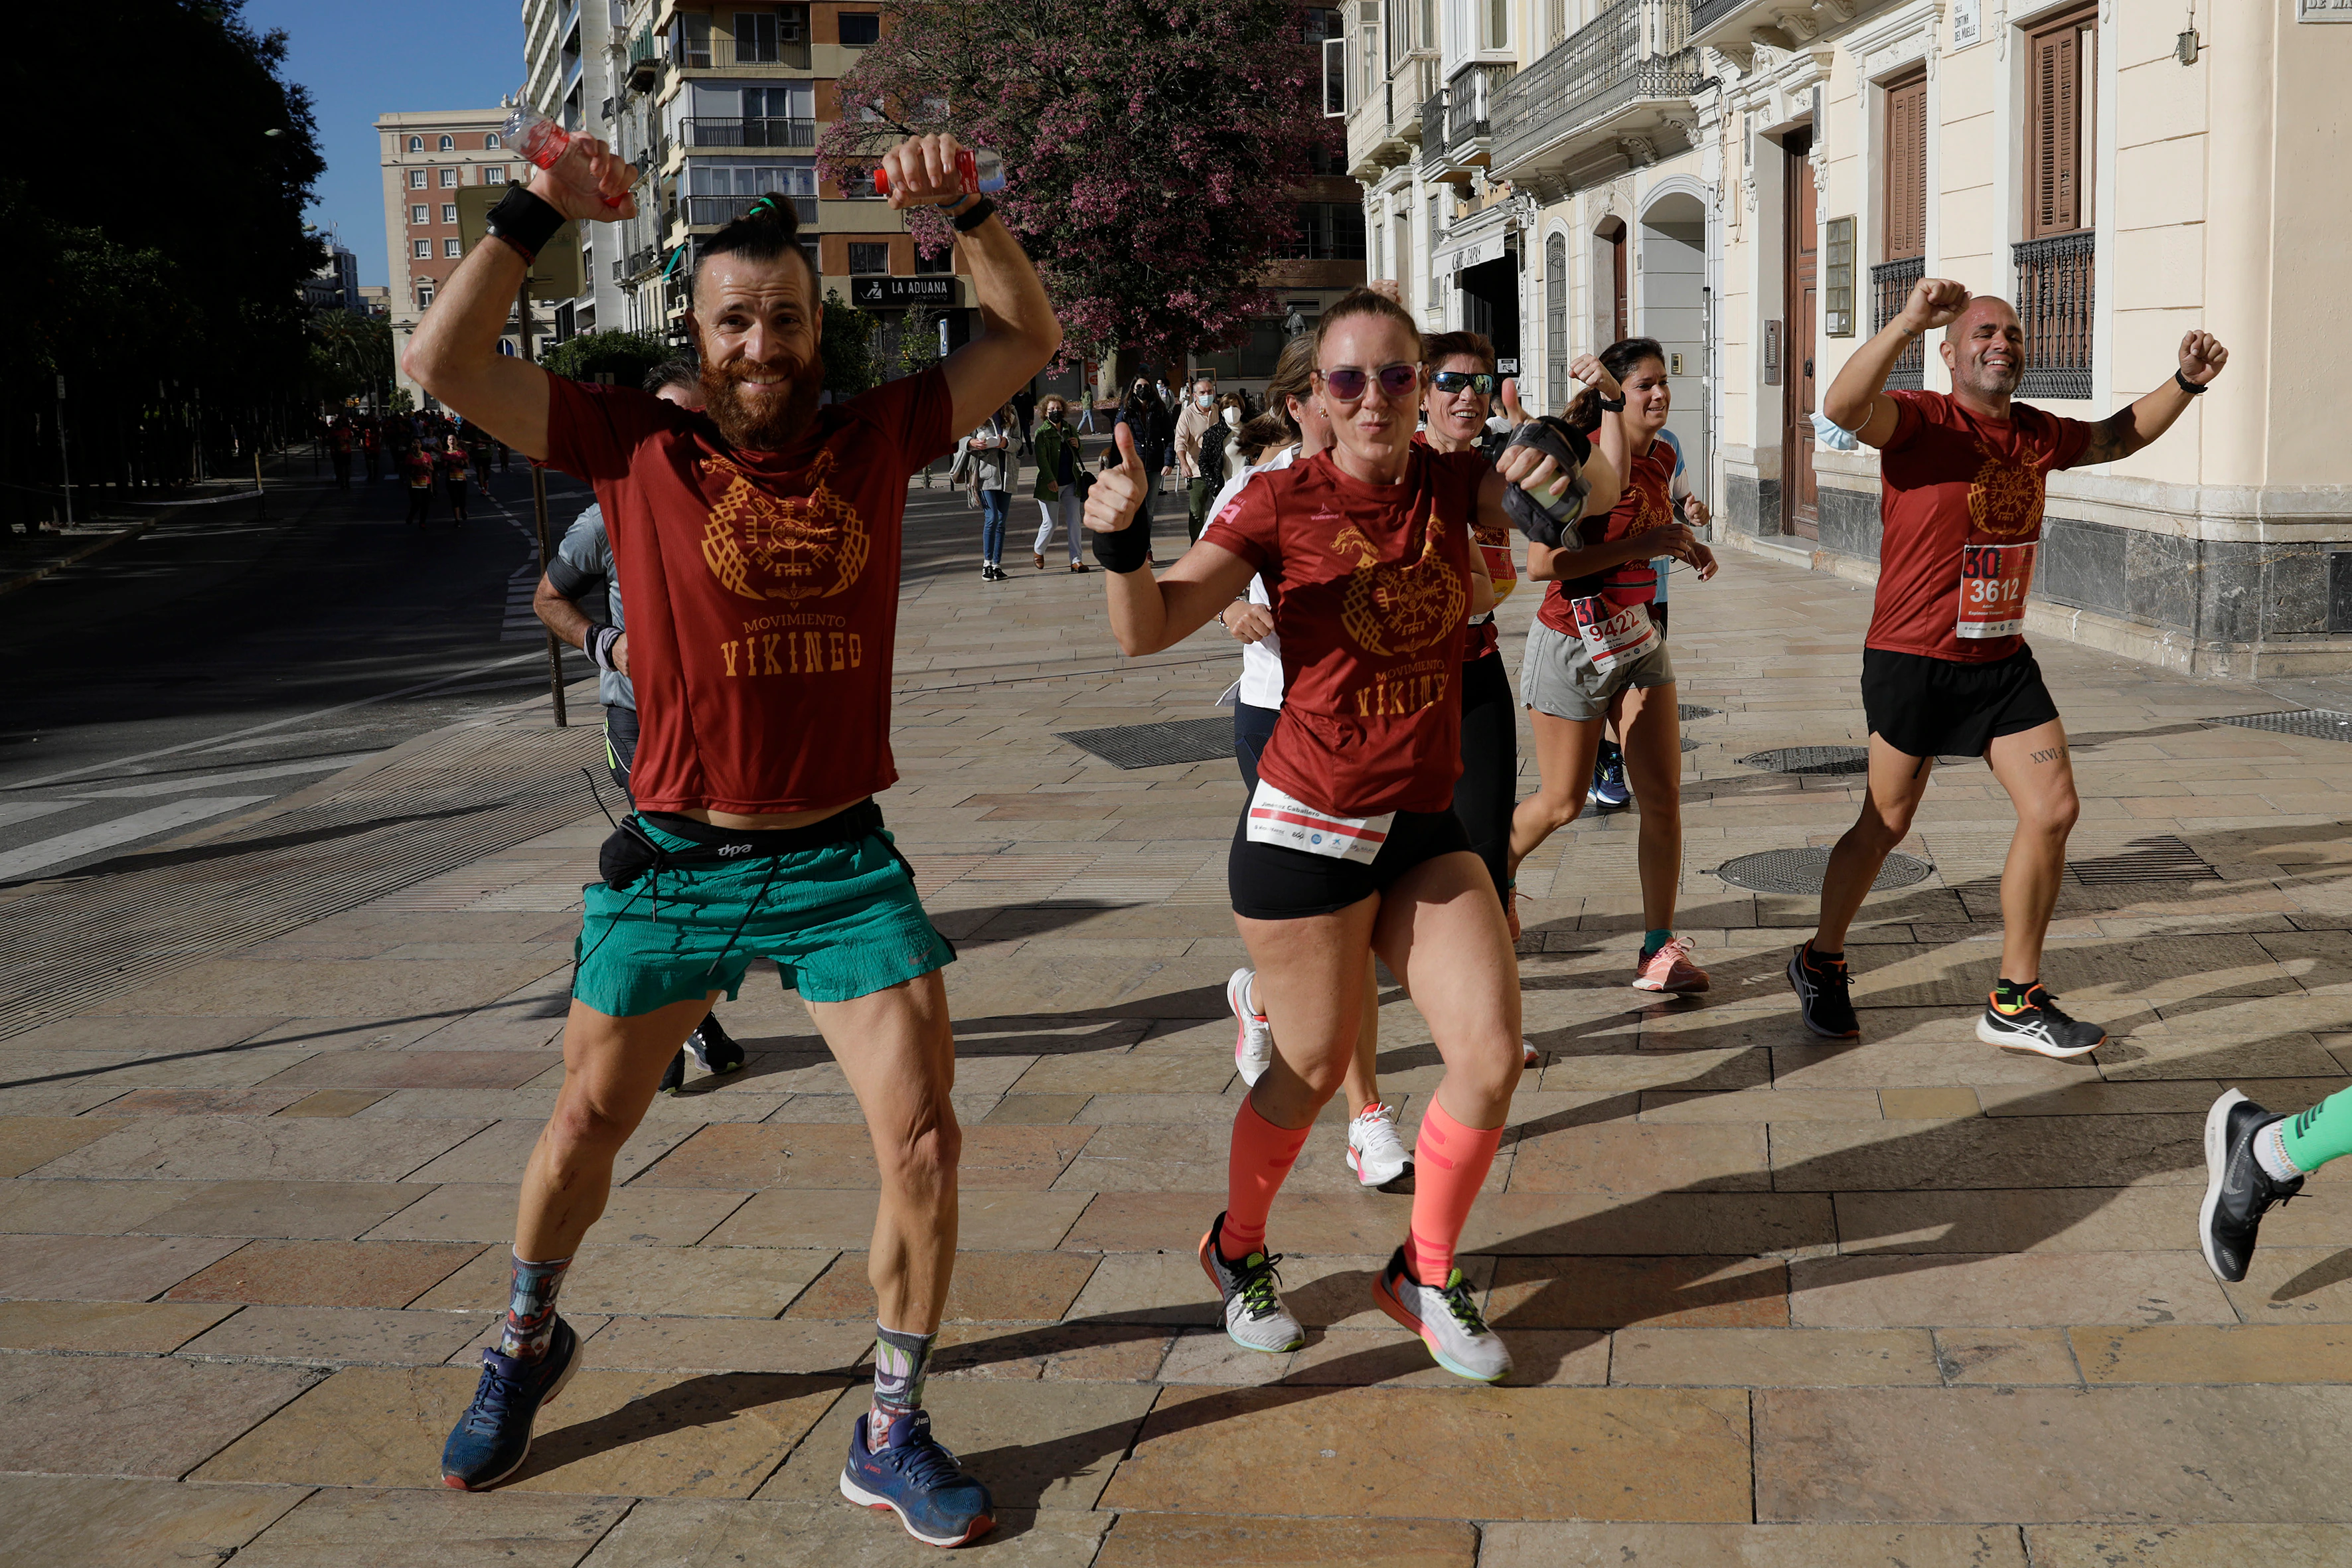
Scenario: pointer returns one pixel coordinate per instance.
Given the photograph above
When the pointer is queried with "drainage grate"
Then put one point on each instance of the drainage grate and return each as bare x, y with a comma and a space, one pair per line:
1800, 871
2316, 723
1157, 745
2163, 858
1809, 760
1690, 711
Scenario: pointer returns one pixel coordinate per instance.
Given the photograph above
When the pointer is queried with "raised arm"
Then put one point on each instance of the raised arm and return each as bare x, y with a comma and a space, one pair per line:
454, 354
1147, 613
2127, 430
1854, 402
1018, 334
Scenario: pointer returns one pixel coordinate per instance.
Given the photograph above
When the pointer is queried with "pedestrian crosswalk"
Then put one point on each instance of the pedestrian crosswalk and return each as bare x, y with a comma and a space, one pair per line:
56, 851
520, 625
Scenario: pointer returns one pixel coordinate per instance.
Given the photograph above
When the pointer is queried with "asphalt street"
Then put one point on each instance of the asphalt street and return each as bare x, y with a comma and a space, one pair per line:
224, 659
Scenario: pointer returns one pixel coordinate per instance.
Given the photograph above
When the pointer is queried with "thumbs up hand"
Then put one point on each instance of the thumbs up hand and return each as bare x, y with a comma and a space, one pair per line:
1117, 493
1511, 409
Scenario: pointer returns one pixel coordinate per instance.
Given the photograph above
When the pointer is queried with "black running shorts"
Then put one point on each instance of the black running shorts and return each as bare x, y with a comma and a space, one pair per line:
1273, 883
1933, 707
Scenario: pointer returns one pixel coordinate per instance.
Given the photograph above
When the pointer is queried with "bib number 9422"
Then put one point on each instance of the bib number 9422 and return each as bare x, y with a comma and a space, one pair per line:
1994, 579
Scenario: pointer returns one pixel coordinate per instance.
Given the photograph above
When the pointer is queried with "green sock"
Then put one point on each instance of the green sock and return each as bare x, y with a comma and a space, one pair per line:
1653, 939
2320, 1134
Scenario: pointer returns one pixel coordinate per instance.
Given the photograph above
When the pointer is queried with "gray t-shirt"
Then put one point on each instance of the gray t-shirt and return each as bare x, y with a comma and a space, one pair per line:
583, 572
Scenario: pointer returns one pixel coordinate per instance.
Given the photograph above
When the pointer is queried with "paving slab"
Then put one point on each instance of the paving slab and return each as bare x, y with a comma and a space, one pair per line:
1201, 1541
1585, 1545
692, 1281
103, 1268
115, 1327
116, 1415
388, 1528
327, 1273
111, 1522
665, 1532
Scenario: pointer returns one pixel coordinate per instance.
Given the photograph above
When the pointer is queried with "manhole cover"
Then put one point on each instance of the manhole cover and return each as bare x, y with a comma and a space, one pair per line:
1157, 745
1809, 760
2163, 858
1690, 711
1800, 871
2318, 723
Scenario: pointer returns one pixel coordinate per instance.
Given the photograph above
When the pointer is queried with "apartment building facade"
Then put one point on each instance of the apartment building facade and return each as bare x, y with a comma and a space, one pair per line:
428, 158
1757, 183
569, 48
722, 102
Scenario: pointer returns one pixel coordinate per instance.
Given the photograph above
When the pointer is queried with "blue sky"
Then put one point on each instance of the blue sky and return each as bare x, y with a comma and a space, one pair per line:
362, 60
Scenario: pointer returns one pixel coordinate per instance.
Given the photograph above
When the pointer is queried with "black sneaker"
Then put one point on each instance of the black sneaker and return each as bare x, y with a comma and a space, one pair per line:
2237, 1188
1824, 996
674, 1076
2040, 1026
715, 1050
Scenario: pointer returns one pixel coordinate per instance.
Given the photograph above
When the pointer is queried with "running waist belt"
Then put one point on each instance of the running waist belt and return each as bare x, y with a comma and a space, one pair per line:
630, 852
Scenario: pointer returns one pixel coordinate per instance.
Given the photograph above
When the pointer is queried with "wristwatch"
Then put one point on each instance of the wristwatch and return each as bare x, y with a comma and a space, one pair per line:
1613, 405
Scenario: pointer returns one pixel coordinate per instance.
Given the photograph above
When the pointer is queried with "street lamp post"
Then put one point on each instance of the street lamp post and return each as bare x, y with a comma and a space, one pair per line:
539, 513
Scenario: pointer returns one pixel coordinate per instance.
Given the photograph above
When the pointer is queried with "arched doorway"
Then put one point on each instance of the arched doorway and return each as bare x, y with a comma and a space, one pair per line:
1611, 291
1556, 382
1674, 311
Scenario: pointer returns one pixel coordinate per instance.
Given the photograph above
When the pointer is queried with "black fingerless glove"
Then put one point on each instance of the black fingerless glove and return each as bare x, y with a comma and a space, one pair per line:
598, 646
1124, 552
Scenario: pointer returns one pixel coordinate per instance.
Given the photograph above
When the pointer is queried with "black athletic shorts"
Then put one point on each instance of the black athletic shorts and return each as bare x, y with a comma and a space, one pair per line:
1934, 707
1273, 882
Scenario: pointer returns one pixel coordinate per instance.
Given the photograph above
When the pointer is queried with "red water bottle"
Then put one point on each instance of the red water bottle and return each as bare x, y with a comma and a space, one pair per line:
540, 140
978, 172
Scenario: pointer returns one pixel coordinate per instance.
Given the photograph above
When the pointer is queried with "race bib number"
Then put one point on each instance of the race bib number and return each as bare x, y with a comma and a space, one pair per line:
1613, 639
1994, 581
1277, 818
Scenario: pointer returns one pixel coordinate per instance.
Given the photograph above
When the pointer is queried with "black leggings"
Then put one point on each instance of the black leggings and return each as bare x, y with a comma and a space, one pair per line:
420, 502
1484, 795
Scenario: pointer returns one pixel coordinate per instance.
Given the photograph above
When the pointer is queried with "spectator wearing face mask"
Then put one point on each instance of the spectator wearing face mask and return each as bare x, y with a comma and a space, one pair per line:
1199, 418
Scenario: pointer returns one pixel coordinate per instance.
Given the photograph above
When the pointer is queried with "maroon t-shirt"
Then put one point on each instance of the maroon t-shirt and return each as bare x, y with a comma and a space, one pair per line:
1647, 502
762, 588
1954, 484
1371, 586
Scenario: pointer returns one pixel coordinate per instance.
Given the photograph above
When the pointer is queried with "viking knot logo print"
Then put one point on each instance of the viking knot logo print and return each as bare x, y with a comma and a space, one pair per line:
2004, 497
763, 546
1391, 609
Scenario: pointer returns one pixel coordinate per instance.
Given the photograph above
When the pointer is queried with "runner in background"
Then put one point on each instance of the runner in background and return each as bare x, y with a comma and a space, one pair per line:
416, 466
338, 447
1594, 652
1610, 790
578, 583
1350, 845
456, 469
1946, 670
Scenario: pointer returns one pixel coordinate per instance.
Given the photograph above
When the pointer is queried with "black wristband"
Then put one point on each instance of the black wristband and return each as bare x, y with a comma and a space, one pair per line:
1124, 552
973, 216
2188, 386
599, 647
1615, 405
524, 221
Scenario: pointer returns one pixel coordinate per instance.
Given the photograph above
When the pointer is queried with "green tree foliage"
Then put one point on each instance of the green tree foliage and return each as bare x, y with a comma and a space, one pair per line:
351, 356
626, 356
165, 258
919, 341
847, 346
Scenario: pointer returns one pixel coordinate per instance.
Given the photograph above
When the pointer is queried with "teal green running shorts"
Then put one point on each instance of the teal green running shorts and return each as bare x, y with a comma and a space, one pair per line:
841, 921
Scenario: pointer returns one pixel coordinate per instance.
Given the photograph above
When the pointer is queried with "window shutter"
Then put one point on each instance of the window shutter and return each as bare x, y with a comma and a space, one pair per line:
2054, 177
1906, 170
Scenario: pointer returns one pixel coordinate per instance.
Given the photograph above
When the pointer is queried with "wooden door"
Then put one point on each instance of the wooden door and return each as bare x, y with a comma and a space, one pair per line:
1800, 499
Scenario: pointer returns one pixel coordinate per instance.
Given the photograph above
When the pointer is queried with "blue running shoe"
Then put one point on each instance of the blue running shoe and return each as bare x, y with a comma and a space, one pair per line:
491, 1440
1608, 790
918, 1480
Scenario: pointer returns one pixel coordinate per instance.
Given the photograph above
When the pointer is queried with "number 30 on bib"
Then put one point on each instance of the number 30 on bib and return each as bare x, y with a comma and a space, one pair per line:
1993, 582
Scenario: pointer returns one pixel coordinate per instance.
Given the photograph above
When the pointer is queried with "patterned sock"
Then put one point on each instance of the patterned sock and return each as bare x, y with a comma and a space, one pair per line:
2009, 995
2270, 1153
531, 1308
2309, 1138
901, 1358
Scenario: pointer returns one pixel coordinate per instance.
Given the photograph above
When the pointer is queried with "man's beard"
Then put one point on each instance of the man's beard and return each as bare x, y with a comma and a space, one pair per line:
771, 423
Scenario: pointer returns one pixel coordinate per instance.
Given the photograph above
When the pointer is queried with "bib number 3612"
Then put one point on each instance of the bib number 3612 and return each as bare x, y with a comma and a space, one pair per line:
1993, 582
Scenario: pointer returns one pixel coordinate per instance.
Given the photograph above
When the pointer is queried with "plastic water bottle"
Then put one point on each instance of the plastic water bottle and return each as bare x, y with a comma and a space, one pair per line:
540, 140
978, 170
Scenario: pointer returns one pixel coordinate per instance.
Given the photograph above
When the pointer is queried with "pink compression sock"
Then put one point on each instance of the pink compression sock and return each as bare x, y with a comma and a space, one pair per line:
1450, 1163
1261, 1156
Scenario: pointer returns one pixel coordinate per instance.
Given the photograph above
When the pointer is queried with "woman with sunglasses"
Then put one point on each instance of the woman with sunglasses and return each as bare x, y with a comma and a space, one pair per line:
1594, 654
1350, 846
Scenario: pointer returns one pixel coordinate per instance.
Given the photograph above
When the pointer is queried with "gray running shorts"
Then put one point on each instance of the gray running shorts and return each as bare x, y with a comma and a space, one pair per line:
1557, 675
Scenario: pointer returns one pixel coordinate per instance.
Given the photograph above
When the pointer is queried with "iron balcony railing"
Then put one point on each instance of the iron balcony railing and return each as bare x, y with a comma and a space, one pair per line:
2053, 303
1635, 51
1706, 14
707, 211
708, 132
1890, 285
1469, 103
1432, 127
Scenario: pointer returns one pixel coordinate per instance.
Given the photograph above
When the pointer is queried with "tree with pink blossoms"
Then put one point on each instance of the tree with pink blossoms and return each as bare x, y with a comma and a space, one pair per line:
1149, 147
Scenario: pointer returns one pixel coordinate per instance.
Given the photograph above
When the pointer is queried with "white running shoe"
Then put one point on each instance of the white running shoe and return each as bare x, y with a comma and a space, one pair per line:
1256, 1318
1254, 1043
1375, 1152
1447, 1320
1528, 1056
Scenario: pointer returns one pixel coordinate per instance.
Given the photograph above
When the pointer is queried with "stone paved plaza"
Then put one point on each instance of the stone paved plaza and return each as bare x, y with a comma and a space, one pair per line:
1774, 1303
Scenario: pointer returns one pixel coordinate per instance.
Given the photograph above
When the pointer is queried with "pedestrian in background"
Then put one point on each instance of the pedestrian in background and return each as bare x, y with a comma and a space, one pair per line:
1024, 407
1199, 418
989, 451
1059, 495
